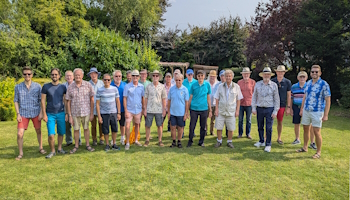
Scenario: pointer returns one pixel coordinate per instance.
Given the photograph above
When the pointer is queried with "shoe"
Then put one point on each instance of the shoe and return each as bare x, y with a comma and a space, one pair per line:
127, 147
218, 144
313, 146
160, 144
115, 147
122, 141
249, 137
111, 142
80, 143
267, 148
179, 145
146, 144
173, 145
296, 142
280, 142
61, 151
107, 148
50, 155
150, 137
94, 143
102, 142
68, 144
239, 136
230, 145
202, 145
138, 143
189, 145
211, 133
259, 144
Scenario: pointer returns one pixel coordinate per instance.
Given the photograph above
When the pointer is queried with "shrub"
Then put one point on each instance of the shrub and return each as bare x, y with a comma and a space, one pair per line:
345, 92
7, 94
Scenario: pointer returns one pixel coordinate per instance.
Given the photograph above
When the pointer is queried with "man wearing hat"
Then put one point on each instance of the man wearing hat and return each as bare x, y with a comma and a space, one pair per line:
284, 87
96, 83
155, 103
133, 105
265, 104
176, 72
189, 81
247, 87
143, 80
213, 81
199, 106
167, 86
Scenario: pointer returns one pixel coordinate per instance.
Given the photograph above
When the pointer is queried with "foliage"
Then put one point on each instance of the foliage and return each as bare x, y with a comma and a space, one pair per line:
345, 92
7, 94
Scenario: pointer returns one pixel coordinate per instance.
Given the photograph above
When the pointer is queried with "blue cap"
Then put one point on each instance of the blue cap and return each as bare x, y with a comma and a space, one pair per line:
189, 71
222, 72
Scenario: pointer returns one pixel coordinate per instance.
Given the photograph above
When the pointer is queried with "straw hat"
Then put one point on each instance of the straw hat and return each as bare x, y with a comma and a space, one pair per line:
302, 73
212, 73
135, 72
266, 70
281, 68
246, 70
156, 72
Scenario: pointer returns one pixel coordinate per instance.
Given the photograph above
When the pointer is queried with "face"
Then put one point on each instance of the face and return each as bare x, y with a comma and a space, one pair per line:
212, 79
78, 76
117, 77
178, 82
129, 77
315, 73
302, 79
245, 76
55, 76
69, 77
266, 76
280, 74
94, 76
135, 78
200, 78
228, 77
168, 79
27, 75
106, 80
189, 76
222, 78
155, 78
143, 76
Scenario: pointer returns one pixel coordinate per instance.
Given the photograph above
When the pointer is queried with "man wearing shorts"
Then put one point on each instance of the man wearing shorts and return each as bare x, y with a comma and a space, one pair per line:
53, 113
155, 102
80, 102
117, 82
133, 105
315, 108
27, 105
178, 97
284, 87
108, 110
227, 104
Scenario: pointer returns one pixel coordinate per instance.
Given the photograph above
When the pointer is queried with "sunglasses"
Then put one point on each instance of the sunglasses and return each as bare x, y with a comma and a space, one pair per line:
135, 75
316, 72
117, 76
27, 74
178, 80
107, 79
302, 76
189, 74
54, 74
155, 75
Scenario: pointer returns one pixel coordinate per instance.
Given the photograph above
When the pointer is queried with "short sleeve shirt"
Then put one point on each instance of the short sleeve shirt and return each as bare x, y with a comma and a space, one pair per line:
134, 96
247, 88
178, 98
80, 98
28, 99
107, 98
315, 95
155, 96
297, 94
54, 97
199, 100
188, 84
283, 87
167, 89
121, 91
145, 84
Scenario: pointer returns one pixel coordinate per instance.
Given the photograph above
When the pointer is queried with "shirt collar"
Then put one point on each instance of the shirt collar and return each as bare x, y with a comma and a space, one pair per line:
231, 85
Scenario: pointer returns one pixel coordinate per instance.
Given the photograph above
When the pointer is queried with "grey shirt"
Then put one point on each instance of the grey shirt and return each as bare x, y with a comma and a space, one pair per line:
266, 96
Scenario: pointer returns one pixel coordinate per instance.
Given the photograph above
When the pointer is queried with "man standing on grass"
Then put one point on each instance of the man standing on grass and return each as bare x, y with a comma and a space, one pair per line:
284, 87
213, 82
265, 104
53, 113
96, 83
222, 80
167, 86
227, 106
27, 105
178, 97
108, 110
155, 102
117, 82
133, 106
247, 87
315, 108
80, 102
200, 106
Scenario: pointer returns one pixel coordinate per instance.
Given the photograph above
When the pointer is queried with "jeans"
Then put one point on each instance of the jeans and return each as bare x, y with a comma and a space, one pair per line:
262, 114
203, 122
248, 113
69, 138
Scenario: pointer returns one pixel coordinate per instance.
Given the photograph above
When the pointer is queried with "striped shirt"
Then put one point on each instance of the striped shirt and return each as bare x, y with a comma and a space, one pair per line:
107, 98
297, 94
28, 99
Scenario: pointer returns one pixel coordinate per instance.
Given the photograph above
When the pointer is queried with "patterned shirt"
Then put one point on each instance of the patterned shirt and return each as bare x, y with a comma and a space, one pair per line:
80, 98
28, 99
99, 84
134, 96
107, 98
266, 96
315, 95
247, 88
167, 93
155, 96
297, 94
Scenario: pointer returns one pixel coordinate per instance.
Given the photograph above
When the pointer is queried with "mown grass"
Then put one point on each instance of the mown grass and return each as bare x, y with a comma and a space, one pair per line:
244, 172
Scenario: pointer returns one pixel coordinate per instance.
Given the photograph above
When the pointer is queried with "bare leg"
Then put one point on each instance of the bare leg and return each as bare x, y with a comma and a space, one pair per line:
306, 136
106, 139
297, 131
148, 132
20, 133
317, 132
180, 131
51, 140
219, 134
279, 129
127, 132
312, 135
114, 137
76, 138
173, 132
160, 133
60, 141
87, 136
39, 136
230, 134
137, 129
122, 131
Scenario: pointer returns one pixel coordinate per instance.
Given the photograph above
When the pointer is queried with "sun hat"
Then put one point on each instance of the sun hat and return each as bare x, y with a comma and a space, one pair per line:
281, 68
212, 73
92, 70
168, 74
222, 72
135, 72
156, 72
266, 70
302, 73
246, 70
177, 71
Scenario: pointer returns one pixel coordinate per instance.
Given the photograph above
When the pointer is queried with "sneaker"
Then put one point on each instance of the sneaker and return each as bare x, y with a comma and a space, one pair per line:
313, 146
249, 137
115, 147
138, 143
127, 147
239, 136
146, 144
189, 144
50, 155
122, 141
258, 144
111, 142
202, 145
80, 143
160, 144
230, 145
94, 143
218, 144
263, 144
61, 151
296, 142
107, 148
102, 142
173, 145
267, 148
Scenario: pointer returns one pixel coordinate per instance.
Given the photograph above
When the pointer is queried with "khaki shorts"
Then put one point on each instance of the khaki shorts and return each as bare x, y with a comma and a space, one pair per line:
314, 118
81, 120
135, 117
221, 120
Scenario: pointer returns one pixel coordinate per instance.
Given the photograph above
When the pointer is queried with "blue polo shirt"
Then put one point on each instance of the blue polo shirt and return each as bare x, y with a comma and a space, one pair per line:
178, 97
187, 84
199, 100
134, 96
121, 96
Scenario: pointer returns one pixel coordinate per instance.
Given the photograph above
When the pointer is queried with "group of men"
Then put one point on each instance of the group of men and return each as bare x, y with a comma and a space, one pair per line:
106, 102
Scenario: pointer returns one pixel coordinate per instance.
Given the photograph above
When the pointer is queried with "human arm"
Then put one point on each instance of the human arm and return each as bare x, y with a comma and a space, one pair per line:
254, 100
326, 110
144, 110
164, 107
209, 106
43, 107
91, 108
288, 110
70, 112
169, 102
302, 106
98, 111
126, 112
187, 115
118, 108
276, 101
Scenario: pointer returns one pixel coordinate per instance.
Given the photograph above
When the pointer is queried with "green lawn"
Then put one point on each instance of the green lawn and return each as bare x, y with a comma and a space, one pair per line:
244, 172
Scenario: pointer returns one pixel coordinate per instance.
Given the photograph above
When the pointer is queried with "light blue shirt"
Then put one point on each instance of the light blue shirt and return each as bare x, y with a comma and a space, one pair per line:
134, 96
188, 84
199, 100
99, 84
213, 93
315, 95
107, 98
178, 97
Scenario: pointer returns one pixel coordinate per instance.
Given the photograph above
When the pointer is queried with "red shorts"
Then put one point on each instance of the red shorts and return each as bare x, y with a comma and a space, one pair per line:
25, 122
280, 114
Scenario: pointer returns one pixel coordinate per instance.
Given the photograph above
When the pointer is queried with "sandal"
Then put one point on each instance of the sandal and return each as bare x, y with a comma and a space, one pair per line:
280, 142
316, 156
19, 157
42, 151
301, 150
75, 149
90, 149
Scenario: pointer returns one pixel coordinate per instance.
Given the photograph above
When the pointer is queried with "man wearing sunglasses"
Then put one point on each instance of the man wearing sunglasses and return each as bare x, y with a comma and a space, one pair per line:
53, 112
27, 105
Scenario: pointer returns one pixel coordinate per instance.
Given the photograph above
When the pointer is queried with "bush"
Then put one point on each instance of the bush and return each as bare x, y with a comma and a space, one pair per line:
7, 94
345, 92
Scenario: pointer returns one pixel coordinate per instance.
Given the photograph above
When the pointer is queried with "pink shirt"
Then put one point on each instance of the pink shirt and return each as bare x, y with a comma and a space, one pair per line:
247, 88
80, 98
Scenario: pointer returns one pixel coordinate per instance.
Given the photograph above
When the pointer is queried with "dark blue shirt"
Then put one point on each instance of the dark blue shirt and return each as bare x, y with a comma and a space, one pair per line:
121, 91
54, 97
283, 87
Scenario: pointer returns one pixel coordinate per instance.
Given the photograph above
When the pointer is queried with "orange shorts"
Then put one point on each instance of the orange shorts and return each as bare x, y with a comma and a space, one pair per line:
136, 118
25, 121
280, 114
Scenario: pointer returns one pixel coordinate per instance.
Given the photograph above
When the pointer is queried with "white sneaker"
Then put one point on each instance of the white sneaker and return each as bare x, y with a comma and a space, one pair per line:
267, 148
258, 144
122, 141
111, 142
127, 147
138, 143
263, 144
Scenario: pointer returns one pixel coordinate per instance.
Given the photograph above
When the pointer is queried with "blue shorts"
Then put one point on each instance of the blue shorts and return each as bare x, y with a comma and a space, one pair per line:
296, 116
177, 121
52, 119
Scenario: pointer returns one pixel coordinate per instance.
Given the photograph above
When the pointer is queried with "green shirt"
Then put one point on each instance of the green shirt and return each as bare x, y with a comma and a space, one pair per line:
145, 83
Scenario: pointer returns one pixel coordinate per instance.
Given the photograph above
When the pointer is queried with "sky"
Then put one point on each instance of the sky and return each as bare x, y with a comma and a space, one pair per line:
202, 12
